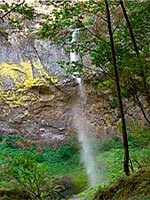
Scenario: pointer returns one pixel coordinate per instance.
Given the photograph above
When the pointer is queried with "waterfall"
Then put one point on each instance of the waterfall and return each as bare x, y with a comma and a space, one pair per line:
73, 55
85, 133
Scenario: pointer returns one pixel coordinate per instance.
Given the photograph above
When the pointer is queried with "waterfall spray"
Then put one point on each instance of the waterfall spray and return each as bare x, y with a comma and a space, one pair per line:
85, 133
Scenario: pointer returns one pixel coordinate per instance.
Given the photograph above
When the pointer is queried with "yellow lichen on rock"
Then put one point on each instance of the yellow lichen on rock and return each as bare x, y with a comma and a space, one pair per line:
19, 73
21, 86
14, 70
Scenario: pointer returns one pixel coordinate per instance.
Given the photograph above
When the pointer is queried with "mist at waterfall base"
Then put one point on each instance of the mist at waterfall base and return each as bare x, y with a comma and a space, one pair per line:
86, 135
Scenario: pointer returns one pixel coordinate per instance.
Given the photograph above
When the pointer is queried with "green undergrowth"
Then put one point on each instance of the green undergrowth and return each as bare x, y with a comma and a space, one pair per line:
63, 162
23, 164
110, 161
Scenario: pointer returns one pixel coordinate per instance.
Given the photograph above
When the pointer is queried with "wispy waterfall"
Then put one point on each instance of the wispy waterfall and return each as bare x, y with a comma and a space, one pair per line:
86, 135
73, 56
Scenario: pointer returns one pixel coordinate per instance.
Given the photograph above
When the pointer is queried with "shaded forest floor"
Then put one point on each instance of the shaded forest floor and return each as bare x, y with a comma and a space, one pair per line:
136, 187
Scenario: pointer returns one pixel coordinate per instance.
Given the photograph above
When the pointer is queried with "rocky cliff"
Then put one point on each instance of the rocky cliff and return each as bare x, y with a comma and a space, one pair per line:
41, 109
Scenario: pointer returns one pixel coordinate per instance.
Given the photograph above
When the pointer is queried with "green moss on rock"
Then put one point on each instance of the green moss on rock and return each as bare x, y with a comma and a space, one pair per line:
137, 186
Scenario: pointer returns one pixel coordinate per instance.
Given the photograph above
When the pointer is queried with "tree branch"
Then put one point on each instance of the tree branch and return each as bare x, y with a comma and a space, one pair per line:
96, 36
141, 107
12, 9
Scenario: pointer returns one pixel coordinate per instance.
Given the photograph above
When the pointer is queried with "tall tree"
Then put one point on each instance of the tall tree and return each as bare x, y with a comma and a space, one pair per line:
124, 131
136, 49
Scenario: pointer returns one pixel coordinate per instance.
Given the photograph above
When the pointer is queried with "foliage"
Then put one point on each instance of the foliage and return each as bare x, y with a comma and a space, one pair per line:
20, 168
69, 149
32, 170
25, 172
111, 160
110, 142
15, 14
89, 17
142, 136
64, 152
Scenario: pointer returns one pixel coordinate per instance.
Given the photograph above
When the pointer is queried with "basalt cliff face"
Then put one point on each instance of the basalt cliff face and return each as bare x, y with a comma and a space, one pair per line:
41, 110
40, 113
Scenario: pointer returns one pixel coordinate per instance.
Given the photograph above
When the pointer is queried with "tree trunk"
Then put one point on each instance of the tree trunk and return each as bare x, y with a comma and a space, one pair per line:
130, 28
124, 131
147, 94
142, 109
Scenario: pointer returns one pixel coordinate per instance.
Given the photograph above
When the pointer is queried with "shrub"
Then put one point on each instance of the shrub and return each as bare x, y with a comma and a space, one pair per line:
24, 172
110, 142
70, 148
9, 142
142, 136
64, 152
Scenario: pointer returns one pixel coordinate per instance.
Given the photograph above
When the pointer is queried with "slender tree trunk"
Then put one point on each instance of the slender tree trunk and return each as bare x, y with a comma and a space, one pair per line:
133, 39
142, 109
124, 131
130, 28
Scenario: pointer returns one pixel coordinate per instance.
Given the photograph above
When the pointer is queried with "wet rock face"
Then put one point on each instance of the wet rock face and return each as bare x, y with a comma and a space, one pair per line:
47, 117
22, 49
39, 53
